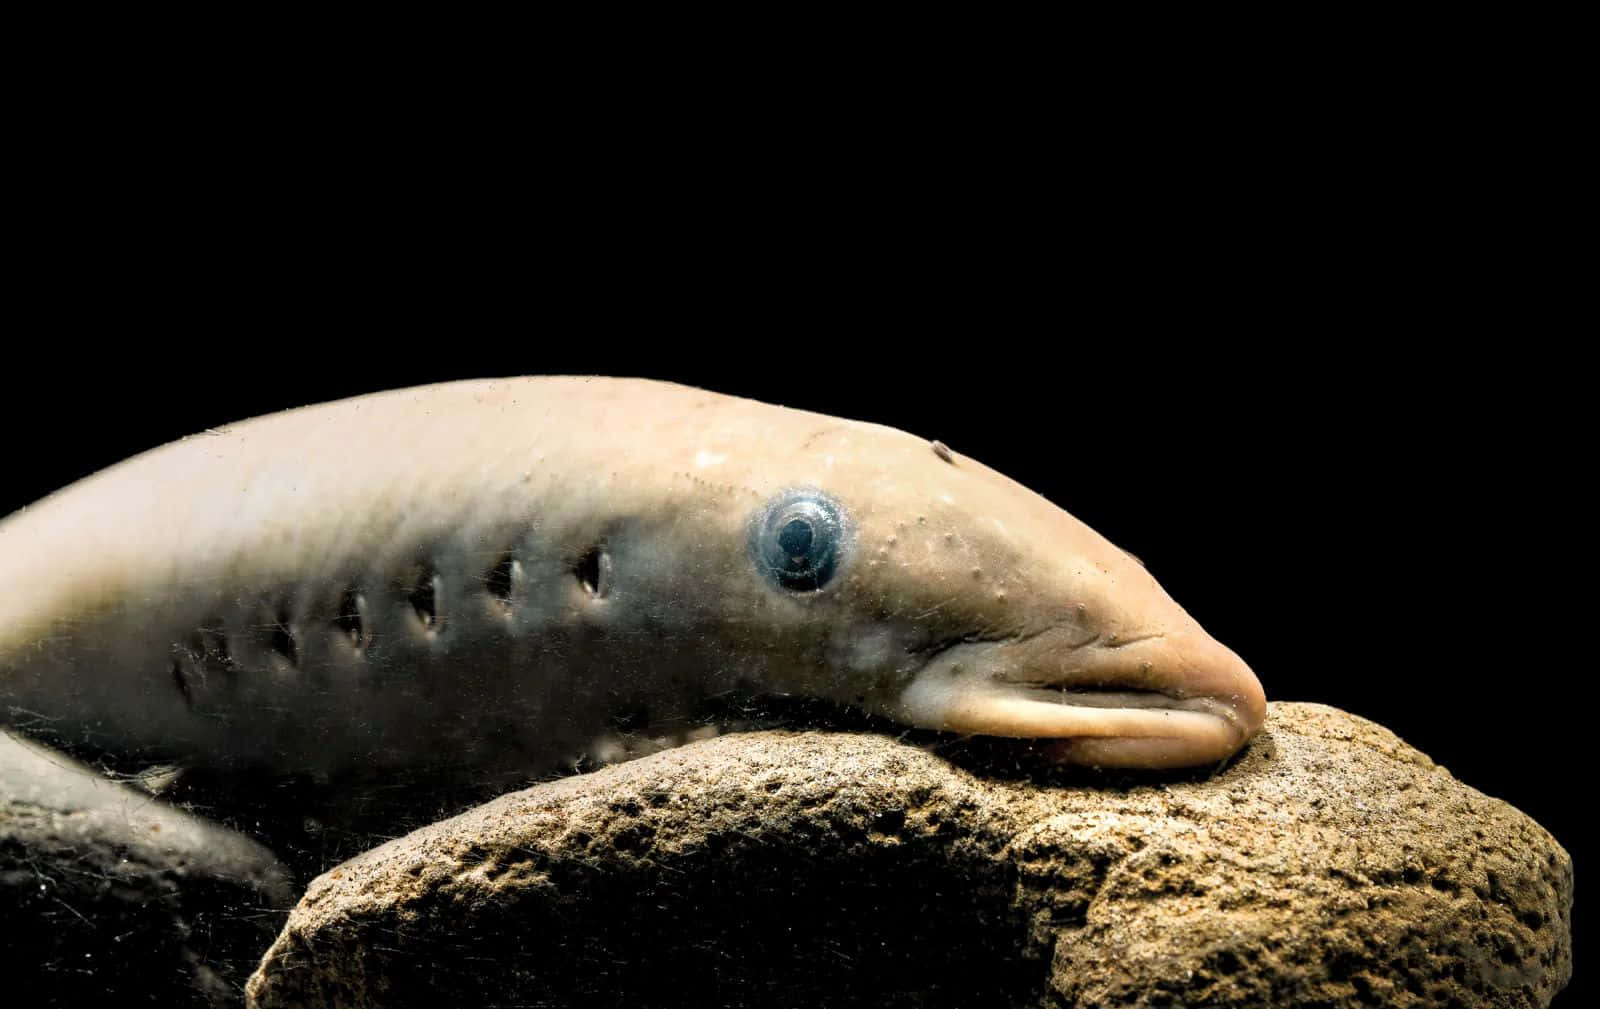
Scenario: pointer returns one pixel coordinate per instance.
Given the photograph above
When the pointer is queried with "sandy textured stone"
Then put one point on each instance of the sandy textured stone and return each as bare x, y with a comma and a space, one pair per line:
1331, 866
111, 898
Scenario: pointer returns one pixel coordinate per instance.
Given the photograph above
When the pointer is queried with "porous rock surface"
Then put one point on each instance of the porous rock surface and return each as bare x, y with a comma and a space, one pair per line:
1332, 865
108, 897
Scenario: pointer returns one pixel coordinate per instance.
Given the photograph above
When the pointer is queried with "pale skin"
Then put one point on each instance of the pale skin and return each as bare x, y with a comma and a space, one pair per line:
492, 570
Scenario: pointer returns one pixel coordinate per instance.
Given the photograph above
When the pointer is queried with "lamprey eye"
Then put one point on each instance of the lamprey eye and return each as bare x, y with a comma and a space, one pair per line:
799, 540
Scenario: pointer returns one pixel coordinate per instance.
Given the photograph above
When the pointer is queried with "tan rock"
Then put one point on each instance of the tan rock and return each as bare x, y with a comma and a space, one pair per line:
1331, 866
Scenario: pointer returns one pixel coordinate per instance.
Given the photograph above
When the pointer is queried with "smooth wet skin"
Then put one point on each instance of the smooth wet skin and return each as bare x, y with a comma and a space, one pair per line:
492, 571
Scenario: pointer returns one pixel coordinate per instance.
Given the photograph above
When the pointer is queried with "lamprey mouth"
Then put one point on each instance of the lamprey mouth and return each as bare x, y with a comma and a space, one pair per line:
1103, 728
1163, 700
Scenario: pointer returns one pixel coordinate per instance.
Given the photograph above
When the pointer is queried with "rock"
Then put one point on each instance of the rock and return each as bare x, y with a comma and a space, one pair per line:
112, 898
1330, 866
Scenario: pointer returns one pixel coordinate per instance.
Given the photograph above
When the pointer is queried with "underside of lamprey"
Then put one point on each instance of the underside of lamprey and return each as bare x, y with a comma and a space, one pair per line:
503, 572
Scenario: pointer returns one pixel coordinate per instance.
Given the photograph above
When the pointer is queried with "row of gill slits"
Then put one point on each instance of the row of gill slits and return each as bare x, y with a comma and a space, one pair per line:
213, 652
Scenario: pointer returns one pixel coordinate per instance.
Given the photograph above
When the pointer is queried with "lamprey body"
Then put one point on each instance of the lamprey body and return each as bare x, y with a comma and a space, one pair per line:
502, 572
